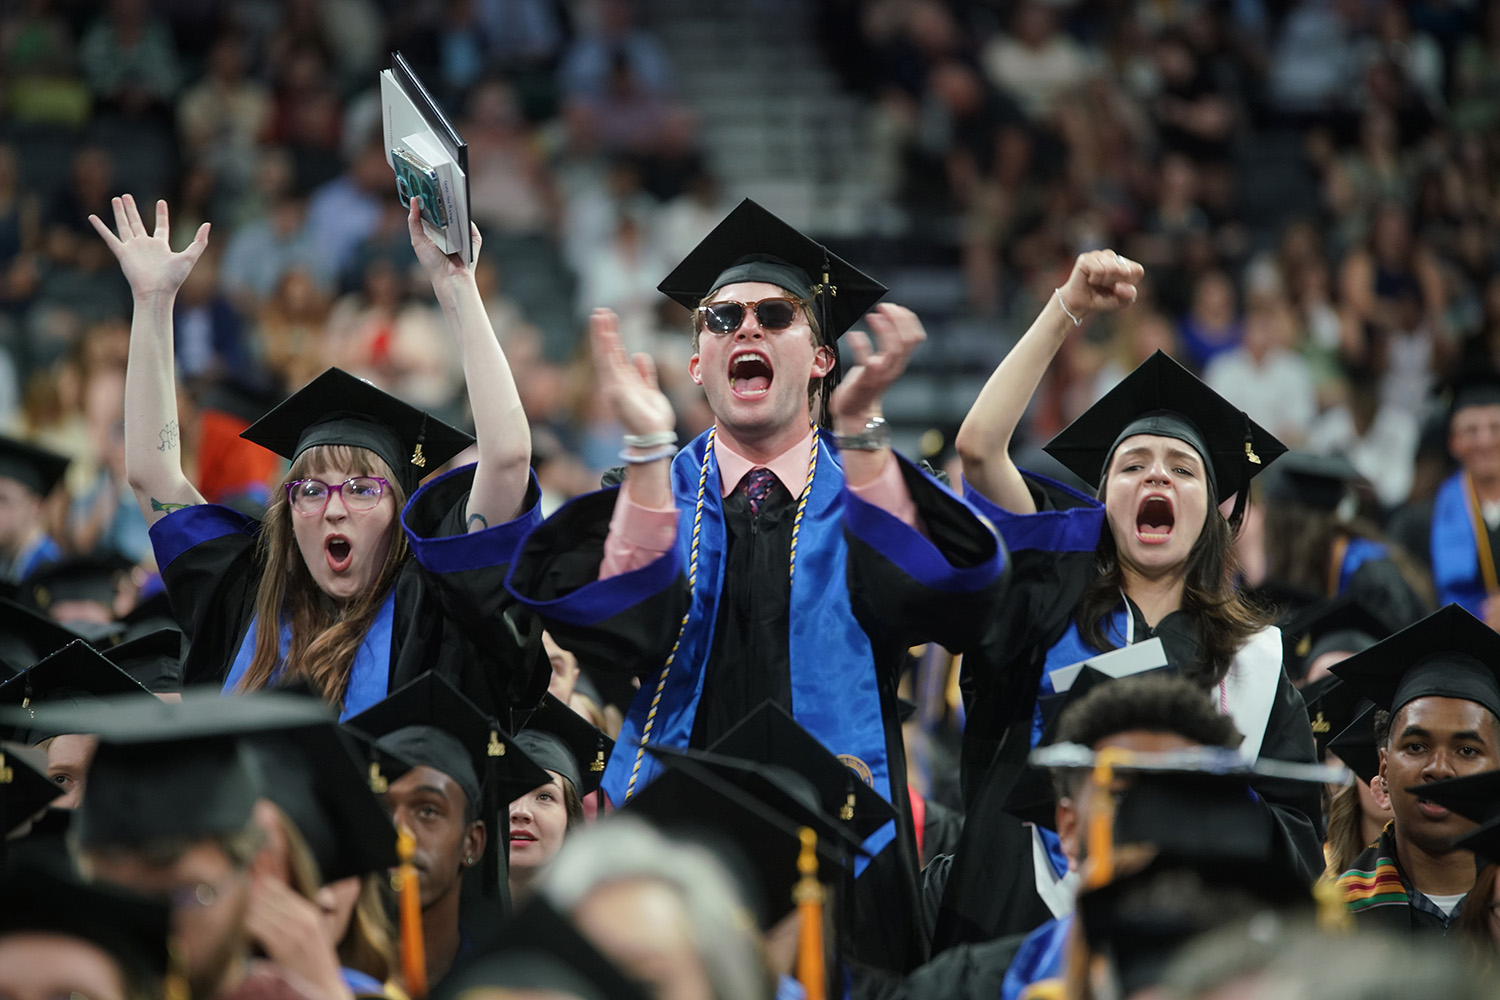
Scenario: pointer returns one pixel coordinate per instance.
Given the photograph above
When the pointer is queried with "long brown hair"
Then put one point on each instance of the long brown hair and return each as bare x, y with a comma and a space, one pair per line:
1222, 618
324, 637
1472, 925
369, 945
1346, 839
1299, 548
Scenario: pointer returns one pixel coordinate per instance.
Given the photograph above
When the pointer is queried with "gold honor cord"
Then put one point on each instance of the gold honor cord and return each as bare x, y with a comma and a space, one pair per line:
1336, 566
661, 682
1481, 539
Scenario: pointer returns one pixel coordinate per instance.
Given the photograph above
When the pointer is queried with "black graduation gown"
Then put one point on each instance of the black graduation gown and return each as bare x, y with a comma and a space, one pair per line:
991, 887
749, 661
451, 615
1377, 893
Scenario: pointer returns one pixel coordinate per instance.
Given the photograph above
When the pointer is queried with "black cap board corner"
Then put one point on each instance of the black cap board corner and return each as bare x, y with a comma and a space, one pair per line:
751, 244
1355, 744
1448, 654
25, 790
337, 408
37, 469
154, 659
1331, 706
26, 636
559, 739
1341, 625
1162, 397
74, 675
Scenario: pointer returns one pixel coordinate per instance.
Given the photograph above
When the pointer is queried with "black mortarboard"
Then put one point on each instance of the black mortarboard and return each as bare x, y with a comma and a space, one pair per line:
751, 813
171, 769
85, 578
77, 674
770, 735
314, 776
1331, 707
541, 950
338, 409
35, 468
1483, 840
1161, 397
132, 929
1318, 481
1343, 625
430, 723
26, 636
24, 791
559, 739
1472, 796
751, 244
153, 658
1355, 744
1448, 654
1473, 387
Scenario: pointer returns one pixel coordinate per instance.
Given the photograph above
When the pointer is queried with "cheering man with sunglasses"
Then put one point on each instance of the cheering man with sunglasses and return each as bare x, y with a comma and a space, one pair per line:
774, 557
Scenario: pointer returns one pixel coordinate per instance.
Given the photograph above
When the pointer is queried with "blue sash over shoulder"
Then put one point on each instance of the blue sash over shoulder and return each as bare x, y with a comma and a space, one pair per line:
835, 694
1455, 549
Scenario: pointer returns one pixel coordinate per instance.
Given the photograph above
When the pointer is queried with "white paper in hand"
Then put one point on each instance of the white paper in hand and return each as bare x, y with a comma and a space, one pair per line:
429, 157
1133, 659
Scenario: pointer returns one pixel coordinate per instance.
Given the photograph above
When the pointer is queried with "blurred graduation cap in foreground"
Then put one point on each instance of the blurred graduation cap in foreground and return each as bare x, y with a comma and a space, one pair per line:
75, 675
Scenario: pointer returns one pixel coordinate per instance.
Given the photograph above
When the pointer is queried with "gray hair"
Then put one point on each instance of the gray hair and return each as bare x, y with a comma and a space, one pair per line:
722, 931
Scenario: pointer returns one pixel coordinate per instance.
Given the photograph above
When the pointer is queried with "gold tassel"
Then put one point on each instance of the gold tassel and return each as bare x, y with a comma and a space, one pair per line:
495, 748
809, 899
413, 949
1333, 914
174, 984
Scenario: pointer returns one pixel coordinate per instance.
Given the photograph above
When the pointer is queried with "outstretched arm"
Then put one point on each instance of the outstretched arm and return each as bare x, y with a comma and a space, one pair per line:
153, 459
857, 400
504, 436
1101, 280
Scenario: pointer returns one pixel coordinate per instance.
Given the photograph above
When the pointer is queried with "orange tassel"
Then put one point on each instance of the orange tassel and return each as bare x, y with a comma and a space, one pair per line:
413, 949
809, 899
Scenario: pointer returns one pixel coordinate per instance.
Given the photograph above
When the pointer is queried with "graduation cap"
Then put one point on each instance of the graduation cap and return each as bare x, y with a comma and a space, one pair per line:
1343, 625
1472, 387
1355, 744
1448, 654
315, 777
1331, 707
1161, 397
77, 674
541, 950
1483, 840
1472, 796
25, 791
26, 636
430, 723
770, 735
559, 739
84, 578
752, 813
37, 469
338, 409
1317, 481
154, 659
131, 929
170, 769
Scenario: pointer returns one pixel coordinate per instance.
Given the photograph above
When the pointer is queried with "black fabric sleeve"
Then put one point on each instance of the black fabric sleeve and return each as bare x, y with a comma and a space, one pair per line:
1380, 586
1299, 816
208, 568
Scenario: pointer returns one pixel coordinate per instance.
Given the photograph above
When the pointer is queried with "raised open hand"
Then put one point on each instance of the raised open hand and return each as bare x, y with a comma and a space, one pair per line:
147, 260
629, 384
437, 264
898, 331
1102, 280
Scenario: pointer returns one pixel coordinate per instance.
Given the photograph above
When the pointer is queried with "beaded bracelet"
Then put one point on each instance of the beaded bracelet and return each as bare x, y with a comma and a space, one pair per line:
655, 440
1068, 312
630, 458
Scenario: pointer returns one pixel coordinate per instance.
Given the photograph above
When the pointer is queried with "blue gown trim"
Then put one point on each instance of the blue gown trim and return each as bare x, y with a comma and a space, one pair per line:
45, 552
1358, 552
493, 546
913, 553
1455, 550
1039, 957
193, 525
1074, 529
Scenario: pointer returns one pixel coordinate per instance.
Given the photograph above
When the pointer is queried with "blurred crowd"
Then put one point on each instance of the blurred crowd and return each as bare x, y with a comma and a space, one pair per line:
1314, 188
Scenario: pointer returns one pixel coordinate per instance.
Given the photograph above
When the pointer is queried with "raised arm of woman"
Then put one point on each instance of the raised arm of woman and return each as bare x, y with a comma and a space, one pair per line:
153, 456
1101, 280
504, 436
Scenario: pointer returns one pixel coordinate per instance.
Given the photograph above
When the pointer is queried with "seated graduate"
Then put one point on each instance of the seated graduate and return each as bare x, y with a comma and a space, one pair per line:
28, 475
770, 558
1148, 559
62, 938
1476, 797
574, 754
329, 587
169, 813
445, 771
1437, 686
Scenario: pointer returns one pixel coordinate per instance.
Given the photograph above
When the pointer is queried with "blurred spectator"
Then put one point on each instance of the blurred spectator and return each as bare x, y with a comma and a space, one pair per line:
20, 233
1313, 64
105, 519
1136, 337
289, 330
1266, 378
347, 209
610, 45
625, 115
208, 335
622, 275
129, 60
41, 67
1195, 108
510, 189
1418, 56
381, 333
258, 255
1476, 75
221, 117
1212, 325
1378, 439
1036, 63
307, 114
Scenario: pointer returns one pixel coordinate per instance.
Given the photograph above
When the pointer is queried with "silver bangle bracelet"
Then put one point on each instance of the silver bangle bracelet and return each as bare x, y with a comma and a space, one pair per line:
630, 458
1066, 311
656, 440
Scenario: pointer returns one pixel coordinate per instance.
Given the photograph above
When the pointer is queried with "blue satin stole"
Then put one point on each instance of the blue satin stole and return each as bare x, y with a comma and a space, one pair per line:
835, 695
1358, 552
369, 676
1454, 549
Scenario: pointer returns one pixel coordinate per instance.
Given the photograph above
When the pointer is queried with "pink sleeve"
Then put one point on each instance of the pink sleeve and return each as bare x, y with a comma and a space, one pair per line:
637, 536
888, 492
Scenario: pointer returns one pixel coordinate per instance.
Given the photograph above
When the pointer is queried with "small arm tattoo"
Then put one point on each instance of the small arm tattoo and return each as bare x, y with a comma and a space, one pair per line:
480, 519
168, 436
167, 508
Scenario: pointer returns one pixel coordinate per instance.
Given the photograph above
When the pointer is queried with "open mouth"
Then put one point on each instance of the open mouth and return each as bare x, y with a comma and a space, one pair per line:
1431, 810
521, 836
1154, 521
750, 374
340, 552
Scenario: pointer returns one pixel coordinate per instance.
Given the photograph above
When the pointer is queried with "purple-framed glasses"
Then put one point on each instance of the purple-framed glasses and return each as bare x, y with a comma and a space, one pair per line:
311, 496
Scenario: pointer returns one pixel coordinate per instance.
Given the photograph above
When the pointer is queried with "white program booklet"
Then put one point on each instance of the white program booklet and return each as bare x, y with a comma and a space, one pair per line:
1136, 658
430, 158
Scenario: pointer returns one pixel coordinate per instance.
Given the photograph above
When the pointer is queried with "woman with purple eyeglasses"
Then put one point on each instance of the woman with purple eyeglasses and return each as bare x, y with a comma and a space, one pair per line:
357, 580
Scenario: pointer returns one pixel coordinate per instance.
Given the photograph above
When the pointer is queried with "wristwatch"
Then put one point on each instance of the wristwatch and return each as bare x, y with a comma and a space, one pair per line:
875, 436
